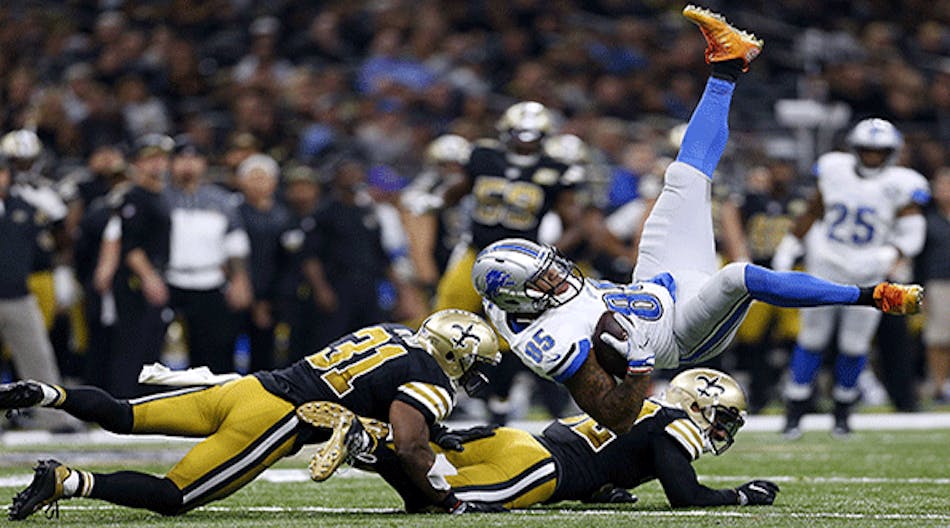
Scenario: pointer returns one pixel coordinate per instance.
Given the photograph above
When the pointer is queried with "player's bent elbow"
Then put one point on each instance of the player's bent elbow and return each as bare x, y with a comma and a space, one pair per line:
619, 424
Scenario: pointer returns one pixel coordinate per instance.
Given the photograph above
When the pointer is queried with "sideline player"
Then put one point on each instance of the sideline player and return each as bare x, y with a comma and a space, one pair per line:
385, 372
679, 309
865, 216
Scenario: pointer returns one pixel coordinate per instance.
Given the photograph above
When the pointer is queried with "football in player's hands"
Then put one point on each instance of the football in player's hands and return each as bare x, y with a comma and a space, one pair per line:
612, 361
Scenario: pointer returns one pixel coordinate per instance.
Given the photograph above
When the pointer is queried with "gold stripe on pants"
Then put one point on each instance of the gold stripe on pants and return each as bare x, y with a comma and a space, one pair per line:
247, 428
510, 467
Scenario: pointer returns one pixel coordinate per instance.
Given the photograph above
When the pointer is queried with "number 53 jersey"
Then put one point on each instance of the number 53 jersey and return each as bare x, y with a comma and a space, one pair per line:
860, 214
557, 342
366, 371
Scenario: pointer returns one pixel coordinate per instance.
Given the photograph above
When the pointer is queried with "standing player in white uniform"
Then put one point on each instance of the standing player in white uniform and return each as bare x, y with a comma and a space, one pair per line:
865, 216
679, 309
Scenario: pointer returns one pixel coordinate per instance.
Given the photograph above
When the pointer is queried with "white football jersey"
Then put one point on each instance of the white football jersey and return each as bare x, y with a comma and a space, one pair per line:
556, 344
859, 214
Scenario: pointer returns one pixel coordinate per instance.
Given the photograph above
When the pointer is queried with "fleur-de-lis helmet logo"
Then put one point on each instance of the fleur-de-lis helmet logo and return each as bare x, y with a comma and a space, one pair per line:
712, 389
465, 333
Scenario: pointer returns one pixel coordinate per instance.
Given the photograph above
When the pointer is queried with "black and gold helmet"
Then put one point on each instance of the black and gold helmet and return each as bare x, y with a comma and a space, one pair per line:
714, 401
524, 126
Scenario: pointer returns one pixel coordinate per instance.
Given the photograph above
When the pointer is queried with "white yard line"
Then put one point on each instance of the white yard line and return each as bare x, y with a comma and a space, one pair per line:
759, 513
293, 476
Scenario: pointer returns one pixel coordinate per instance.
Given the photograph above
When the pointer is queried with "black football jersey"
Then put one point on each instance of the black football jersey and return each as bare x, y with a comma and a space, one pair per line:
366, 371
766, 220
511, 199
590, 456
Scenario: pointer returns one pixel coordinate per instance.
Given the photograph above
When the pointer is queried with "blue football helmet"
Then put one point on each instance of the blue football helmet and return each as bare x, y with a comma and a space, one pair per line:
524, 277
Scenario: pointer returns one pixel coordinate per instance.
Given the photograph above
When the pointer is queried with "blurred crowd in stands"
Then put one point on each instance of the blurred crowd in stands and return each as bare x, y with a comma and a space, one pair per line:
300, 125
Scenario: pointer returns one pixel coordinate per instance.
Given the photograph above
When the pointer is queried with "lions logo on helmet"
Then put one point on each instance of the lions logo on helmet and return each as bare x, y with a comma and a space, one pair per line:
460, 341
876, 144
714, 401
524, 126
523, 277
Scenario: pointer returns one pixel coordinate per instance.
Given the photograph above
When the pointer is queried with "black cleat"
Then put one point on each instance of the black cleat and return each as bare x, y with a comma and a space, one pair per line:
794, 411
46, 489
842, 427
20, 395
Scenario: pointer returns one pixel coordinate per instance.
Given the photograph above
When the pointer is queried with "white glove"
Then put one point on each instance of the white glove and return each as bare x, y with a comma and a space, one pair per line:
640, 359
65, 289
787, 252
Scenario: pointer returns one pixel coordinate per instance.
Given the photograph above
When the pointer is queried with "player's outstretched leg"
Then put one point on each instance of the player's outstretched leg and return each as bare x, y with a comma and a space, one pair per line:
90, 404
678, 234
53, 481
705, 323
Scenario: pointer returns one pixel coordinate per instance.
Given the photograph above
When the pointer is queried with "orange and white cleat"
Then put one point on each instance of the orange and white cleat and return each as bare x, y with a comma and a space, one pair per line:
723, 41
898, 299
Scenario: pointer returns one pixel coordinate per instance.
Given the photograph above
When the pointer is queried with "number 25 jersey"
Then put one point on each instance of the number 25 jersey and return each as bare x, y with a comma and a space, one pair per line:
860, 214
366, 371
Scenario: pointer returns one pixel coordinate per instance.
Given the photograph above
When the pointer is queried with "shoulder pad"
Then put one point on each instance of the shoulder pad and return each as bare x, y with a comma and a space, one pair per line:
688, 435
833, 161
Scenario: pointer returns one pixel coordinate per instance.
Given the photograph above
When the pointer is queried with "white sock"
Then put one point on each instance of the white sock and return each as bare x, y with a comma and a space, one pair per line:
51, 394
71, 484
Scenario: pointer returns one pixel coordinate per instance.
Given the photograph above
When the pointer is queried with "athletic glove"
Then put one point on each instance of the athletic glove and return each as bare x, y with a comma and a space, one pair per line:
640, 359
452, 439
757, 492
453, 505
787, 252
609, 494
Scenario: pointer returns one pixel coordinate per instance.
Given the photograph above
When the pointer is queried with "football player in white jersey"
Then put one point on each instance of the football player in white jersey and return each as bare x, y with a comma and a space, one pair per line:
864, 217
679, 309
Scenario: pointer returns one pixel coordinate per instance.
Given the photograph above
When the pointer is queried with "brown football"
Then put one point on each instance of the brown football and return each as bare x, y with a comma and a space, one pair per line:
612, 361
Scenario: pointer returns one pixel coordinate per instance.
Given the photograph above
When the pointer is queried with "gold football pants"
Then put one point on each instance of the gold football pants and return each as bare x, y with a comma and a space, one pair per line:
511, 467
247, 429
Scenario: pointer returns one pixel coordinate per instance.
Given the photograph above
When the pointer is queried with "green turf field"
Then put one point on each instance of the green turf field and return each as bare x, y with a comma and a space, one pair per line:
885, 479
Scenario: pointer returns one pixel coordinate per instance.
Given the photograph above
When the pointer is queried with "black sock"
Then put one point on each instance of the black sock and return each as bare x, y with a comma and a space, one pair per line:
92, 404
728, 70
866, 297
138, 490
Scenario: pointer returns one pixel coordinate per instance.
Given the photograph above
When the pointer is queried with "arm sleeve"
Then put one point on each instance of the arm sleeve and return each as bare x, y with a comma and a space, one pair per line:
678, 478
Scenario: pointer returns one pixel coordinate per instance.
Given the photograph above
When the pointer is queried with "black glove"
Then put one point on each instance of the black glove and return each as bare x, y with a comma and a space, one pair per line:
452, 439
609, 494
757, 492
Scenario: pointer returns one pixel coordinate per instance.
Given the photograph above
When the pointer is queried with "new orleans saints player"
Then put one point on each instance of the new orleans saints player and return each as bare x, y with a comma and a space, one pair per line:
577, 459
386, 372
514, 183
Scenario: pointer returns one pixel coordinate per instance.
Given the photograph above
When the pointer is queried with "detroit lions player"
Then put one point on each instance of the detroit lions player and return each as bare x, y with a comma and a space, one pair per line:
865, 215
679, 309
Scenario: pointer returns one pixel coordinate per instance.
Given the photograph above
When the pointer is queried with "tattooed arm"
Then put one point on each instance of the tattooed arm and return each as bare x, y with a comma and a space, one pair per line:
613, 405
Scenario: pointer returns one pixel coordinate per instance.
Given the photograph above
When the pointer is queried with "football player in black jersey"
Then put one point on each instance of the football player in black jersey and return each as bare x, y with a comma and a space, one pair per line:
386, 372
577, 459
514, 183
